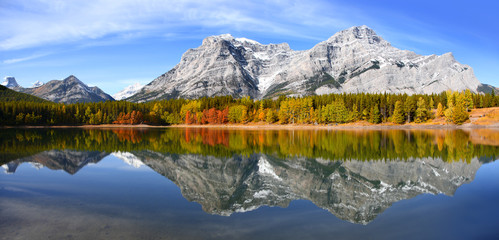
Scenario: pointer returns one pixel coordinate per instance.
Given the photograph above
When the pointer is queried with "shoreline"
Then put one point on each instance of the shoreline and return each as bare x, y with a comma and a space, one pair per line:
483, 118
264, 126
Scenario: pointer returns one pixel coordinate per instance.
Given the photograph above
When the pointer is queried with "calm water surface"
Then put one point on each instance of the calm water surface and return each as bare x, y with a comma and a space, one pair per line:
247, 184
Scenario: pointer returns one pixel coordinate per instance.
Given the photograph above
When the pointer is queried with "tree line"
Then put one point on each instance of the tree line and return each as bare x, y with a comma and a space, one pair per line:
394, 145
323, 109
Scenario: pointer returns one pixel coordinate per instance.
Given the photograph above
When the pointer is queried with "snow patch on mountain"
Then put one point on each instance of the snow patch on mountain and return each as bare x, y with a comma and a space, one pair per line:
37, 84
128, 91
248, 41
129, 158
36, 165
265, 168
6, 169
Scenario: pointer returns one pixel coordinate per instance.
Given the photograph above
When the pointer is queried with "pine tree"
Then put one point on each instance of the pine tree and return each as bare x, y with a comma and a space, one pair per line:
354, 113
410, 106
283, 113
421, 111
460, 115
468, 100
440, 110
271, 116
341, 111
88, 114
398, 114
365, 114
432, 104
374, 115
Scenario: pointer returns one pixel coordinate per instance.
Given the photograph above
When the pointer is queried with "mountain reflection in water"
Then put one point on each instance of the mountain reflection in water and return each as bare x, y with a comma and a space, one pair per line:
355, 175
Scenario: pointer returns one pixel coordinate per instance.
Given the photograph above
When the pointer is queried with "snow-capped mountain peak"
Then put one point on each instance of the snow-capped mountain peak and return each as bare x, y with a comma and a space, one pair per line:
10, 82
128, 91
37, 84
129, 158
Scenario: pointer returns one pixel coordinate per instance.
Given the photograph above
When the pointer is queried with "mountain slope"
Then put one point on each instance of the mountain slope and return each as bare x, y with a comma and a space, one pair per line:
8, 95
353, 60
69, 90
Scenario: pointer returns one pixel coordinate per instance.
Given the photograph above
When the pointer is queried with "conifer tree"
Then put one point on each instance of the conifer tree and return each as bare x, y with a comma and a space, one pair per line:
355, 113
88, 114
460, 115
421, 111
468, 100
410, 106
271, 116
283, 112
374, 115
440, 110
398, 114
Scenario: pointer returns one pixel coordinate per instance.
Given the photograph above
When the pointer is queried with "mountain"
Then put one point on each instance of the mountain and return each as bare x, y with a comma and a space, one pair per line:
128, 91
10, 82
9, 95
354, 190
71, 161
353, 60
69, 90
37, 84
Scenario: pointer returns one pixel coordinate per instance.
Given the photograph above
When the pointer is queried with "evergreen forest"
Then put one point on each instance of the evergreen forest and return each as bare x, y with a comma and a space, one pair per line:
323, 109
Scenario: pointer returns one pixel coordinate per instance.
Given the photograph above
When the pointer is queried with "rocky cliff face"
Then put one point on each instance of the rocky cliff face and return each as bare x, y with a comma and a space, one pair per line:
353, 60
69, 90
355, 191
10, 82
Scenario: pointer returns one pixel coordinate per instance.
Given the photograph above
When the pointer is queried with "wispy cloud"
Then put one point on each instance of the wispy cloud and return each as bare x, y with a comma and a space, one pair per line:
32, 23
22, 59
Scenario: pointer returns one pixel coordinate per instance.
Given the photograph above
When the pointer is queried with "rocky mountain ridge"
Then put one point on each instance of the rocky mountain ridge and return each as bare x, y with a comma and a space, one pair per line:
353, 60
355, 191
68, 90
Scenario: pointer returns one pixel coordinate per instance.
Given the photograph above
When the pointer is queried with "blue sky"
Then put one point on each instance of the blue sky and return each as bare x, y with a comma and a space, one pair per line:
112, 44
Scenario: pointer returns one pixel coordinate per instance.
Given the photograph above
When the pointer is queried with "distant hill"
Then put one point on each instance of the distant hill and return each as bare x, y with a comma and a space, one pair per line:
8, 95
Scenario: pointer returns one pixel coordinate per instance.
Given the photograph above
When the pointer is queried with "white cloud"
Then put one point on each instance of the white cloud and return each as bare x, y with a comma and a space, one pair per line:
32, 23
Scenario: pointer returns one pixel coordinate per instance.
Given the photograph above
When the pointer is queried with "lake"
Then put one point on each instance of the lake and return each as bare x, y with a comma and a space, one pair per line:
207, 183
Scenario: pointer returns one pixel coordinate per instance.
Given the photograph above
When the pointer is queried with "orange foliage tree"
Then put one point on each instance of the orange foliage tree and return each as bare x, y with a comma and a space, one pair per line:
135, 117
